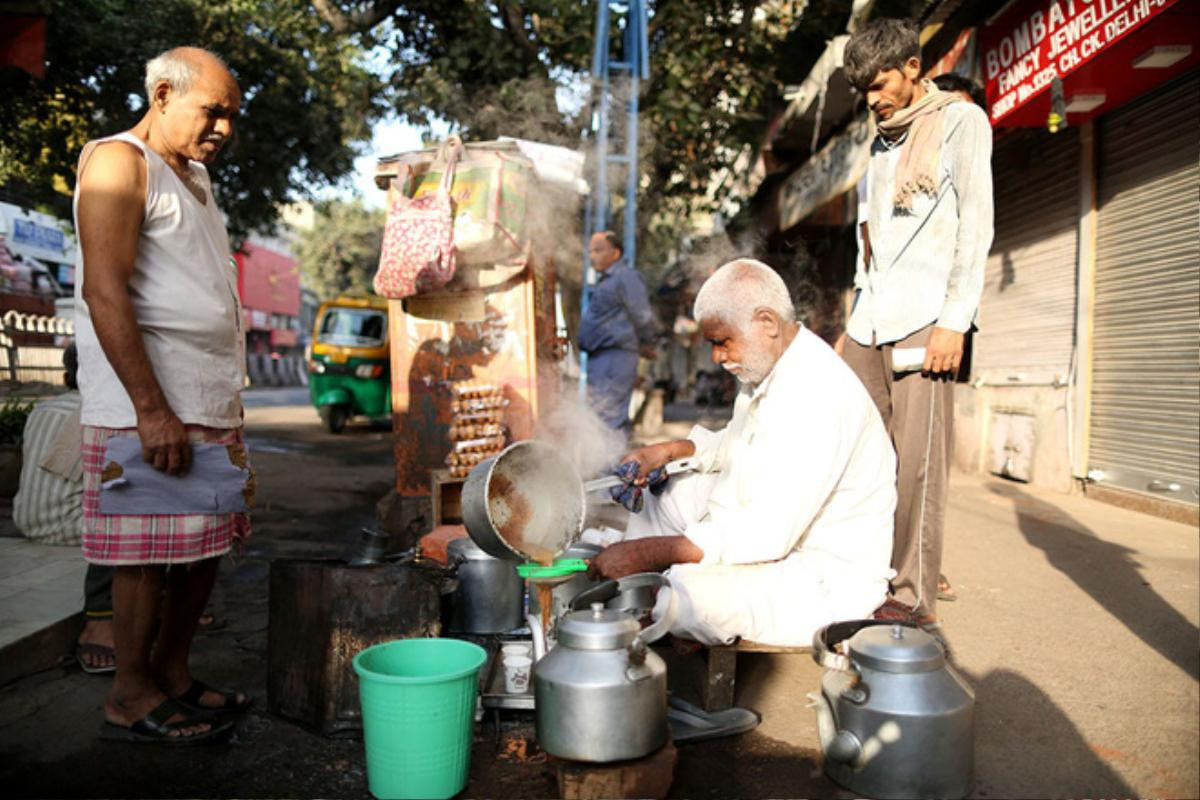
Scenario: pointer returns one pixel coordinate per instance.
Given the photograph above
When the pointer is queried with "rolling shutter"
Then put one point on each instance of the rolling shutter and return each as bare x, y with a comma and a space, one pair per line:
1145, 418
1027, 313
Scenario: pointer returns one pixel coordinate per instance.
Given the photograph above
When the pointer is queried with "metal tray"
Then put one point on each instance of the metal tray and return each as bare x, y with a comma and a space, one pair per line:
492, 693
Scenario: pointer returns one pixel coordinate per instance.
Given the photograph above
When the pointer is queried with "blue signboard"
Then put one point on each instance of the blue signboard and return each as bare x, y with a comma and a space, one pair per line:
30, 233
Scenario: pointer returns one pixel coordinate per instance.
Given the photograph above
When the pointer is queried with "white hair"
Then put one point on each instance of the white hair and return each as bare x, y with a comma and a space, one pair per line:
739, 289
177, 67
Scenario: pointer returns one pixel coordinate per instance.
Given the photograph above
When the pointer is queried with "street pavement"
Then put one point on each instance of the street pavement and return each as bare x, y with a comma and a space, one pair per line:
1076, 626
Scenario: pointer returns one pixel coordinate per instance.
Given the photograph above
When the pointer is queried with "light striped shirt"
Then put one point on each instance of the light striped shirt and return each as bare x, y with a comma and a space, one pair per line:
48, 506
927, 266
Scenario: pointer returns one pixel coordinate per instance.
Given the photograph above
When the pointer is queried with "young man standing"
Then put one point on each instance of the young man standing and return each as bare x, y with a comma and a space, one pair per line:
929, 190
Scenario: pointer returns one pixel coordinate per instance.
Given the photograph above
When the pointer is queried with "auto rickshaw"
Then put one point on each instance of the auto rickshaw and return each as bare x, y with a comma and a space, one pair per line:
348, 373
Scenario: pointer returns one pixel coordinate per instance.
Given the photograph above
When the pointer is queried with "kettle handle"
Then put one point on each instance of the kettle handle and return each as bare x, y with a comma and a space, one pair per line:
660, 627
825, 638
603, 592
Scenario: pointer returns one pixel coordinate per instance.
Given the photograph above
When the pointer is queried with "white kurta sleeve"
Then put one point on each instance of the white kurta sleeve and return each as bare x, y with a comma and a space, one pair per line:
708, 446
785, 476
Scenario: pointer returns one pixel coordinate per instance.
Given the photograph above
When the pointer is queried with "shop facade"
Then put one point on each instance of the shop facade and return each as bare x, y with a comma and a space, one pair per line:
1085, 370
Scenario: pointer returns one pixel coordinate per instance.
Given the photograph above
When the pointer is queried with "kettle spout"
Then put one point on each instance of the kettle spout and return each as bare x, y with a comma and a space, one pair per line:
539, 637
838, 746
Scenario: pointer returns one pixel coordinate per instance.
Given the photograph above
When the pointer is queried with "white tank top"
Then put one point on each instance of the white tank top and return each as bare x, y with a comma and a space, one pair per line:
184, 293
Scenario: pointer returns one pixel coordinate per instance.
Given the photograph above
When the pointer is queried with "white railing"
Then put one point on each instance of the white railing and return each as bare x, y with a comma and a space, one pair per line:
23, 363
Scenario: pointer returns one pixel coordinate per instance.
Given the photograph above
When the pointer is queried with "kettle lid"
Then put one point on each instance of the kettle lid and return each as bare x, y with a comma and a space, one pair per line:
598, 628
896, 648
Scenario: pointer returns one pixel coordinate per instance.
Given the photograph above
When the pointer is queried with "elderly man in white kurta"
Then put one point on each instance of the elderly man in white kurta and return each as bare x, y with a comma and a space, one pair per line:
788, 525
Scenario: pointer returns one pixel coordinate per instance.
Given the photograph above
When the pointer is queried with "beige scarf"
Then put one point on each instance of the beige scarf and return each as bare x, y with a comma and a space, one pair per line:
921, 153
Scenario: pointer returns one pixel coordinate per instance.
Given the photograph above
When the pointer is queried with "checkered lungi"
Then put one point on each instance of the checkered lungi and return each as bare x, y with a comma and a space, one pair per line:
127, 539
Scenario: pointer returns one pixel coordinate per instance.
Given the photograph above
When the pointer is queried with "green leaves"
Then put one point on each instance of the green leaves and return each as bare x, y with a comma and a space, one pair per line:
341, 251
308, 97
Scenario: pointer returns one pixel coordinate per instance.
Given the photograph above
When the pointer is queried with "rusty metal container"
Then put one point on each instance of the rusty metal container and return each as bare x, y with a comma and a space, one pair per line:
321, 615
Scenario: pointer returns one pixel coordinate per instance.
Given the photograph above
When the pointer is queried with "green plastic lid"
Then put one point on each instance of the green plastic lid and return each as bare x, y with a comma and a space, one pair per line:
556, 570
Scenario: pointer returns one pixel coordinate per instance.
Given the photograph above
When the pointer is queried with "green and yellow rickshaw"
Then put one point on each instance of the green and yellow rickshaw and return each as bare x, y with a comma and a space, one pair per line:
348, 372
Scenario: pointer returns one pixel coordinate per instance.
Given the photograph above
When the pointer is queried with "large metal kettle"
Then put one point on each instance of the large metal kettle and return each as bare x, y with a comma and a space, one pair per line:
895, 721
601, 693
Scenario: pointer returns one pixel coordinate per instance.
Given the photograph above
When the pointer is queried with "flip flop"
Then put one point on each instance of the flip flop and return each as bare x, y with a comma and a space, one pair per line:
95, 650
691, 724
945, 593
154, 728
190, 700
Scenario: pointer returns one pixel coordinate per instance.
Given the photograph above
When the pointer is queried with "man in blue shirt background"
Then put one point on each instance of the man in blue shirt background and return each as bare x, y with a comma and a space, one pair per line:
617, 326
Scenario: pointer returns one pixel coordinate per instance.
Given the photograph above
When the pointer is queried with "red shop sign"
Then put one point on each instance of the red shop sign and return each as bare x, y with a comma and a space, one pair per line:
1034, 42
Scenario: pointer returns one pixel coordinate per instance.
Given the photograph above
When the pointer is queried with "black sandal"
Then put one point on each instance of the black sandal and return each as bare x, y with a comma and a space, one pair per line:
190, 700
154, 728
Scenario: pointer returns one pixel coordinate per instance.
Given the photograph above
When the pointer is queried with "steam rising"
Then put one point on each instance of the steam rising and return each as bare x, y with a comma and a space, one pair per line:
579, 435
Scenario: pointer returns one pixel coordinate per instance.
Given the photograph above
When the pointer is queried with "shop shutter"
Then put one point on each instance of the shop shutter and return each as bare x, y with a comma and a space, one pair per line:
1027, 313
1145, 419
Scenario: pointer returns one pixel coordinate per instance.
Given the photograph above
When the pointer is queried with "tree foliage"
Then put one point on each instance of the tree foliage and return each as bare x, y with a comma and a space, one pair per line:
493, 67
339, 253
307, 97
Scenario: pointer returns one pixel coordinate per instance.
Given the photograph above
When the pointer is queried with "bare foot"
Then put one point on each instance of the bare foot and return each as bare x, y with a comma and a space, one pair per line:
128, 709
98, 632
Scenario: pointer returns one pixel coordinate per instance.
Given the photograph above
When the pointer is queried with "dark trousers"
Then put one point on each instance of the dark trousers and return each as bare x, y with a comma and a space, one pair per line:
97, 592
611, 376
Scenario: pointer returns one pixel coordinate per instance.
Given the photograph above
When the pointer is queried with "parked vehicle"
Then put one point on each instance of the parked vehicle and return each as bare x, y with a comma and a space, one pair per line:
348, 372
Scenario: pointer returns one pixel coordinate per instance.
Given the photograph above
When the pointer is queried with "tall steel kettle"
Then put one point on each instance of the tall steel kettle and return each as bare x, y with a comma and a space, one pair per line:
601, 693
895, 721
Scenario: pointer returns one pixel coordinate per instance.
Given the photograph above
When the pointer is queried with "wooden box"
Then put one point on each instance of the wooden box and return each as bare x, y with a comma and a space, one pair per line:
447, 498
321, 615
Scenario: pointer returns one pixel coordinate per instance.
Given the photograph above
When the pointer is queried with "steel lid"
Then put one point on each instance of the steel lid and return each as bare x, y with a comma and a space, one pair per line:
597, 628
896, 648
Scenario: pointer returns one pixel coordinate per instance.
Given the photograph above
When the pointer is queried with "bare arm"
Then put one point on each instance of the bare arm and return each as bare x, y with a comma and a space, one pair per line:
112, 191
651, 554
651, 457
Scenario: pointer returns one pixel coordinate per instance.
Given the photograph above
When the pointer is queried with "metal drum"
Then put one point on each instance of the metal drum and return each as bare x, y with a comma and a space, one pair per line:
489, 597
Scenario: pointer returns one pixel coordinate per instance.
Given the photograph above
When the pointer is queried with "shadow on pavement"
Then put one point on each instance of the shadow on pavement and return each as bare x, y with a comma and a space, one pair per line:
1109, 573
1028, 747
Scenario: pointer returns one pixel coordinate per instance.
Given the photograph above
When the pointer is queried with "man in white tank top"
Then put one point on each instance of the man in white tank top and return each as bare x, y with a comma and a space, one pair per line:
158, 329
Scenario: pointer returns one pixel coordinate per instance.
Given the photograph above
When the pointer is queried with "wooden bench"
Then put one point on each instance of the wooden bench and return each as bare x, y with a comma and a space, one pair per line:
721, 670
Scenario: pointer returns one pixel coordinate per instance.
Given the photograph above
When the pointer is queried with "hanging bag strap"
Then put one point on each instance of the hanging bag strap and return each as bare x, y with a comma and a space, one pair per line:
449, 153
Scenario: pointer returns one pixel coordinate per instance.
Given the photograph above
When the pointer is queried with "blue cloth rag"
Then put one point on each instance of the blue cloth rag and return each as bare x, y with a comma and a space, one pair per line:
630, 495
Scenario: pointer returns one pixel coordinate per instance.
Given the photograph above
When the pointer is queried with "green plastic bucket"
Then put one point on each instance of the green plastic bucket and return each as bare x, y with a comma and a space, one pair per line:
418, 708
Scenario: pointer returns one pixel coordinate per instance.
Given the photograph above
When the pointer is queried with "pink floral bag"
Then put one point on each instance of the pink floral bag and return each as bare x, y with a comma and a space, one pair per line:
418, 253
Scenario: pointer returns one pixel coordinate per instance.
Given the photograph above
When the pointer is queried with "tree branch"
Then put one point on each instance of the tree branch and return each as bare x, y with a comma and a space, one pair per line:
513, 17
359, 21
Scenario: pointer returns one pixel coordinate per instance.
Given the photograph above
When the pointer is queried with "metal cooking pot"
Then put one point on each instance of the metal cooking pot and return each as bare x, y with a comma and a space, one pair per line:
895, 721
489, 594
601, 693
526, 503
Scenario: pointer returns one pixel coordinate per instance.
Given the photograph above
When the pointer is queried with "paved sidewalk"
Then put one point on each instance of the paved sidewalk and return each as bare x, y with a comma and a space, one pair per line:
41, 600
